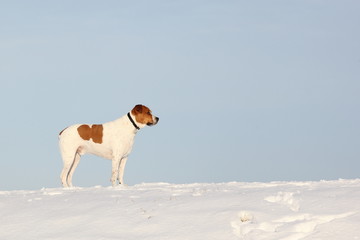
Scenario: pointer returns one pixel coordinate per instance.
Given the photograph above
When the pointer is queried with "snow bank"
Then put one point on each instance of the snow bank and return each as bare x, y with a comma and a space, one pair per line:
277, 210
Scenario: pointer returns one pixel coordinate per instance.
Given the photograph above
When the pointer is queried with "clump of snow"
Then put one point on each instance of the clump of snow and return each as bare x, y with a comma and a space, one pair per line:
277, 210
286, 198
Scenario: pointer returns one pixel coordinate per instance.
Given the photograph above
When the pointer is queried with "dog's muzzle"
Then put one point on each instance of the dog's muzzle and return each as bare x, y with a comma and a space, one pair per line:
154, 122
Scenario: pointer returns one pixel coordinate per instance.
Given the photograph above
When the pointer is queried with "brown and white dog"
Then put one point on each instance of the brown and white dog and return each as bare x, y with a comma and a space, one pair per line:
111, 140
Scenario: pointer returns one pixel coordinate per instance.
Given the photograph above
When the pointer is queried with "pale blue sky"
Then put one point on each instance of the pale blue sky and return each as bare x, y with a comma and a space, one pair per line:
245, 90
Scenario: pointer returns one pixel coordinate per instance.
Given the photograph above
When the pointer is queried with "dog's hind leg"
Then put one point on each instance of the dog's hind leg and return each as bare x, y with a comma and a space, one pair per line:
64, 174
72, 169
68, 161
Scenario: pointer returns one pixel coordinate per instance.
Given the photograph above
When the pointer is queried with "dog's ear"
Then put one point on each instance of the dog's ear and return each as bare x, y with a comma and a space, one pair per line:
138, 108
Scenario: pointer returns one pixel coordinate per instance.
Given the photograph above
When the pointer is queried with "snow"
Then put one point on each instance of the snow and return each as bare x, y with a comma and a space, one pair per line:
235, 210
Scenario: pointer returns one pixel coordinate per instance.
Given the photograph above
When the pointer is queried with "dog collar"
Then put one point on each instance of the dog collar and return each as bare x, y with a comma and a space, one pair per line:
132, 121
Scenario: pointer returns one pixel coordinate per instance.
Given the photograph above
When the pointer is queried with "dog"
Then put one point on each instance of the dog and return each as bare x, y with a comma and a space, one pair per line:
112, 140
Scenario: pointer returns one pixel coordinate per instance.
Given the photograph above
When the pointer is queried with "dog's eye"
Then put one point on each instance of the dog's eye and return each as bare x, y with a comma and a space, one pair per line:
149, 113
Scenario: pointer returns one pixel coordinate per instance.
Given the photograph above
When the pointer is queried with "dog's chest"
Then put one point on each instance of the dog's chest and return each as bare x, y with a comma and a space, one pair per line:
118, 140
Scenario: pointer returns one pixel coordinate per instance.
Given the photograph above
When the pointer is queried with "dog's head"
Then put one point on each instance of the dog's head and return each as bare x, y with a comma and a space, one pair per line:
144, 116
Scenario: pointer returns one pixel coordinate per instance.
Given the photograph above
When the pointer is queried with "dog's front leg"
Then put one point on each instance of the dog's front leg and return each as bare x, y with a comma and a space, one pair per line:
115, 170
121, 170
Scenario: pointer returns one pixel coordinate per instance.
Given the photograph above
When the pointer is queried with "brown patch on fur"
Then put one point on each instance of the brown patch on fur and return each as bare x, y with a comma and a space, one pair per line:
142, 114
95, 132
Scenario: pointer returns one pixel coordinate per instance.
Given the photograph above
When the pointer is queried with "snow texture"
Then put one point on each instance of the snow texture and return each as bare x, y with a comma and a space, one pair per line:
276, 210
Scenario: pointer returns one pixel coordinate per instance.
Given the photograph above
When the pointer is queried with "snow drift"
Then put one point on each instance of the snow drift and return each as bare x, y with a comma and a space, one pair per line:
276, 210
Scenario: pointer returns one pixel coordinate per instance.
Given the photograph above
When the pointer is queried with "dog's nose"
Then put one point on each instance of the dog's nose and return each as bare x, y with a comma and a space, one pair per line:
157, 119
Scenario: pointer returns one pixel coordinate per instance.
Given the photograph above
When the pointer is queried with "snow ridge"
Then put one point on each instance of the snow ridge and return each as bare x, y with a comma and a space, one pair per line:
277, 210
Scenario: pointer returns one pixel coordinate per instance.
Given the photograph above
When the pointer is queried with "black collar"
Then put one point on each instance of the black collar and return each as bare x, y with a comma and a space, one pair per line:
132, 121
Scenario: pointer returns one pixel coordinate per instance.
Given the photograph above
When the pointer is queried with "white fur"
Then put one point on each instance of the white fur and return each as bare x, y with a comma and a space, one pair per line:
117, 142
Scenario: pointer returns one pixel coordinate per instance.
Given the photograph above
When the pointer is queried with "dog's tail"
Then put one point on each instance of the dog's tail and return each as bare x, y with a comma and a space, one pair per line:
62, 132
